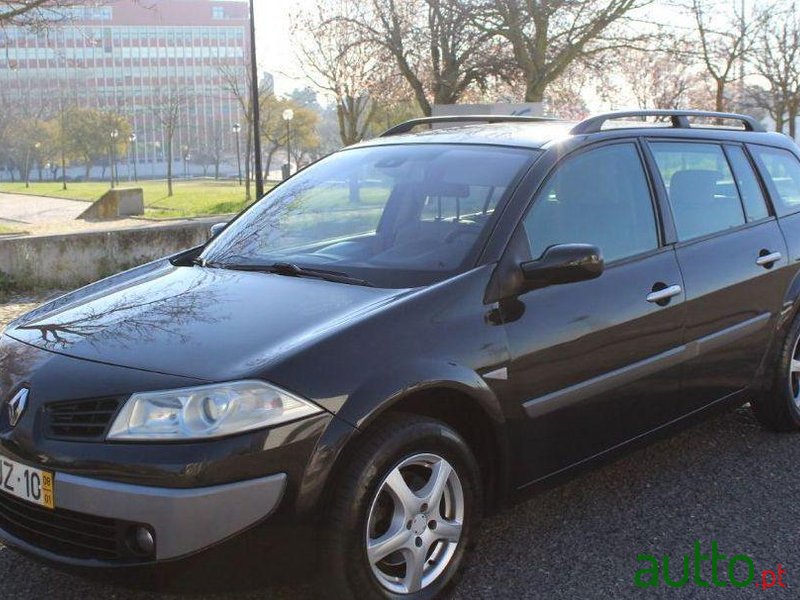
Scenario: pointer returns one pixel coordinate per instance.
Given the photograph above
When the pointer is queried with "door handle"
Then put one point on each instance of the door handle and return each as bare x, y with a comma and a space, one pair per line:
663, 295
768, 259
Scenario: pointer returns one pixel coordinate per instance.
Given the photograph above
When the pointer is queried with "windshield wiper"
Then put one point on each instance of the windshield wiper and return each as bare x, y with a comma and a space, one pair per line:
291, 270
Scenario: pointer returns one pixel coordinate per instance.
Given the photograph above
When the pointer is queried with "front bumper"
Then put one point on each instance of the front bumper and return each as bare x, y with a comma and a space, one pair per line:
191, 496
183, 521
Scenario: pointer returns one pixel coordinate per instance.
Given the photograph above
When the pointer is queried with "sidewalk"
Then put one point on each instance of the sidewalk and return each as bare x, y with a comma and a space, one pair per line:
42, 215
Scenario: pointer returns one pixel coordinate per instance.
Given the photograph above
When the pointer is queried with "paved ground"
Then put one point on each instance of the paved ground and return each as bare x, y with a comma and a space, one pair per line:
725, 480
29, 210
40, 215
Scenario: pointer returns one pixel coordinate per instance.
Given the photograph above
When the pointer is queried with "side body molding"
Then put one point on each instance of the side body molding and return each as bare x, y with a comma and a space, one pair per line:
609, 381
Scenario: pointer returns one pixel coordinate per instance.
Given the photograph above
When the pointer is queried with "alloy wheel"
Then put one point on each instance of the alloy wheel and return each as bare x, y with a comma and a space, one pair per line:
414, 523
794, 373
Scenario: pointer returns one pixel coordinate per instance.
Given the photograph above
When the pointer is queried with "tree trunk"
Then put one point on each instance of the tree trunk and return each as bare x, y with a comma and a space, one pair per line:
534, 90
247, 150
355, 189
779, 122
719, 97
169, 166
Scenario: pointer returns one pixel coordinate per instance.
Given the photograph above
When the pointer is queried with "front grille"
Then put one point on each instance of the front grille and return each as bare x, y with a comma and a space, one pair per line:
80, 419
64, 532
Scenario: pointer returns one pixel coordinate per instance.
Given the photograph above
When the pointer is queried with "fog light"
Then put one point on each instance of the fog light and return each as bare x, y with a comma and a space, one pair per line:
145, 542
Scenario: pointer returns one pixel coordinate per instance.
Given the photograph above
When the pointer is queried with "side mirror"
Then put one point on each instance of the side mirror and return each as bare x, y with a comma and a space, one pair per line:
216, 228
563, 263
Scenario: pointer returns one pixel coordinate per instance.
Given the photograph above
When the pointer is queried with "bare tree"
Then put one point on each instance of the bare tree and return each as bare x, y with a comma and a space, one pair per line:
236, 81
216, 147
434, 44
338, 61
547, 37
663, 75
726, 38
776, 58
40, 14
34, 13
168, 110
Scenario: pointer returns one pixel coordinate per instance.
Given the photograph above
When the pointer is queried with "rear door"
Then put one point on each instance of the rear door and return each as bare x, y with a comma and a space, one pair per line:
780, 171
594, 363
733, 258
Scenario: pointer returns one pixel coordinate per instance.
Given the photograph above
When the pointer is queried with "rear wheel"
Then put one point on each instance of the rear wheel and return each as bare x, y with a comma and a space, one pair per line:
779, 407
402, 513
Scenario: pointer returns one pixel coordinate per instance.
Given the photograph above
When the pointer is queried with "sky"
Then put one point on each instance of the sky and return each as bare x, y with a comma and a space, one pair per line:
274, 42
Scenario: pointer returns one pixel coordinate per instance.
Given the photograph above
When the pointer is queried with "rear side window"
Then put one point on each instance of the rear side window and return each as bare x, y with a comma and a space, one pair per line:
598, 197
755, 206
700, 186
781, 171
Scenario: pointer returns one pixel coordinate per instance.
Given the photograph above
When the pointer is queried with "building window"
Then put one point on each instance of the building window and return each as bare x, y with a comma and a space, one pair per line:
90, 13
218, 12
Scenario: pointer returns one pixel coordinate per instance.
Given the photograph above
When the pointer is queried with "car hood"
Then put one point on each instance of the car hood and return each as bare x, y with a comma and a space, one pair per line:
210, 324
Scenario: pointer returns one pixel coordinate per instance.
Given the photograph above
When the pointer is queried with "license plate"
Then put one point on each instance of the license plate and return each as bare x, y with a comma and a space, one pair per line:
27, 483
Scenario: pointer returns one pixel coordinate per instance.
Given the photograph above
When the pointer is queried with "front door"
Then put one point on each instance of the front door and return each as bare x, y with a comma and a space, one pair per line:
595, 363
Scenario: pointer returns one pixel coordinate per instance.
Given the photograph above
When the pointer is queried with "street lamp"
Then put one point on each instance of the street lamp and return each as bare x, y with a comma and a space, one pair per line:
114, 135
236, 129
288, 115
132, 140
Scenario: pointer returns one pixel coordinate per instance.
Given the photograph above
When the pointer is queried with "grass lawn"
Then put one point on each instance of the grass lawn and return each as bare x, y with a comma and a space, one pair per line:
76, 191
4, 229
191, 198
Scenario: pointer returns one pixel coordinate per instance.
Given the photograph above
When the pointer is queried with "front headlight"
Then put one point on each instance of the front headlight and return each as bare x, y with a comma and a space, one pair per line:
207, 411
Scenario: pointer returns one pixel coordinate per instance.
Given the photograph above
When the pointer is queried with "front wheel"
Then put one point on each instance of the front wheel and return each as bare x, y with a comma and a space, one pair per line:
402, 513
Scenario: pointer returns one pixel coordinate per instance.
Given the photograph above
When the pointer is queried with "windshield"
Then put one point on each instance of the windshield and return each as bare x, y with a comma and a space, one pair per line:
395, 216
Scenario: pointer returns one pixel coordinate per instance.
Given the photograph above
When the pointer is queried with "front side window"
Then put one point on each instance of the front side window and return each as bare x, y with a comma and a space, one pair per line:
598, 197
700, 186
781, 170
396, 216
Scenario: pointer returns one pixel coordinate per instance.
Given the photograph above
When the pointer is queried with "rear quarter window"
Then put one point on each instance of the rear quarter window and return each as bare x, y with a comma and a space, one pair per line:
781, 171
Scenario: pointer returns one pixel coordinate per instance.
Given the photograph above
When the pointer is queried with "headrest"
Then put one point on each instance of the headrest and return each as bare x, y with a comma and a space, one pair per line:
697, 185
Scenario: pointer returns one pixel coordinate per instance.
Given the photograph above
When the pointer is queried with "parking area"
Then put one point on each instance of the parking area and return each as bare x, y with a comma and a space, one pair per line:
723, 481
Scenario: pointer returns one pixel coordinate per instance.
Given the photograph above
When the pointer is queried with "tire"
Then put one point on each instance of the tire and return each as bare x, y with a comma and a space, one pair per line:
778, 407
366, 506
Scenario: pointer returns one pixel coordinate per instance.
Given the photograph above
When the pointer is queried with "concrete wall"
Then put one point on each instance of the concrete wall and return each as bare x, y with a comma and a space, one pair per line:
115, 203
71, 260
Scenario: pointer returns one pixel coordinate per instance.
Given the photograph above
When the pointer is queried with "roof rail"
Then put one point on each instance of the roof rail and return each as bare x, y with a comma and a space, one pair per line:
407, 126
679, 118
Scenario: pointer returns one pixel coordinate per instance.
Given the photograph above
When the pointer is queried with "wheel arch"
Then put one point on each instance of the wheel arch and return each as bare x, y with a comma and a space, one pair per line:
465, 403
788, 312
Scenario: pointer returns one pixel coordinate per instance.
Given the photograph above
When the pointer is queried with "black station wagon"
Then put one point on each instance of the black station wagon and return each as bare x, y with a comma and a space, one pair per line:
399, 338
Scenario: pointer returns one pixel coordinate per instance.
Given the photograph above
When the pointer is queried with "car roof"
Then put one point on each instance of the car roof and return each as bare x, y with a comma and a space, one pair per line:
541, 133
528, 135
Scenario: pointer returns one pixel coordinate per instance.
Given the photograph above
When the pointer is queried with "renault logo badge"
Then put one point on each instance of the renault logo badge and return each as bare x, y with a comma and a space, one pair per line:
17, 405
